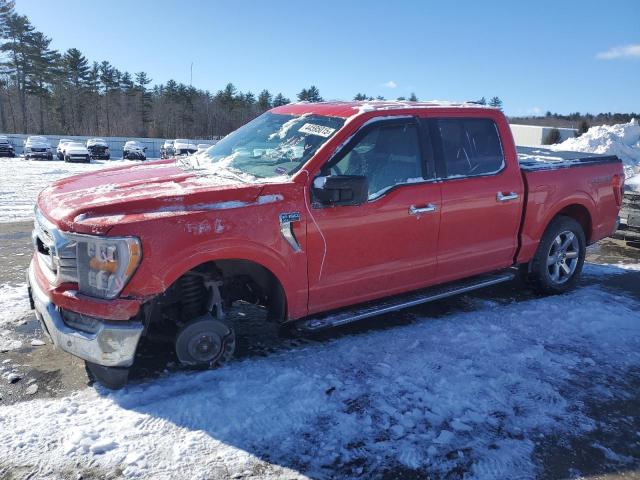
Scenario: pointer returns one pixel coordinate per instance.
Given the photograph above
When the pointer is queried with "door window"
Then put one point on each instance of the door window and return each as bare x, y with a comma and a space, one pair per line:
470, 147
388, 154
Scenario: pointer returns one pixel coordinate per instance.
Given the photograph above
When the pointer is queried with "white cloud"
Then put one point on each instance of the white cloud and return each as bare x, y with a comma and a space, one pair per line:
534, 111
624, 51
390, 84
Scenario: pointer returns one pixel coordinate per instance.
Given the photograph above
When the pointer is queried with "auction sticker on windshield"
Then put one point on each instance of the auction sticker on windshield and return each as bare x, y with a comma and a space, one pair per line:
319, 130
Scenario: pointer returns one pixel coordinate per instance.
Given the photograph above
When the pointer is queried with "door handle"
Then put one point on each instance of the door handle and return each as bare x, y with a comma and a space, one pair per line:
501, 197
413, 210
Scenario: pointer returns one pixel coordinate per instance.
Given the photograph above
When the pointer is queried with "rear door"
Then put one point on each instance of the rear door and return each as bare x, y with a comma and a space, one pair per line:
388, 244
482, 194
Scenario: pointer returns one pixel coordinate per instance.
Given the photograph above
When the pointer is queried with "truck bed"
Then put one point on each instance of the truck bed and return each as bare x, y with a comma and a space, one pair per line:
538, 158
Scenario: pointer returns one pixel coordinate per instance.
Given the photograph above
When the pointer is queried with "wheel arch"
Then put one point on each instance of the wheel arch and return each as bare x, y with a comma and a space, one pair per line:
580, 207
268, 275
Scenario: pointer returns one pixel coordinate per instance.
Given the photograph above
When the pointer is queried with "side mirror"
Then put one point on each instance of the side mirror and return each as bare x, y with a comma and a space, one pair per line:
341, 190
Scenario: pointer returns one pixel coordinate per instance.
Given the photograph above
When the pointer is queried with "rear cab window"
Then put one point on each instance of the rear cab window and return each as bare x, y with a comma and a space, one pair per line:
469, 147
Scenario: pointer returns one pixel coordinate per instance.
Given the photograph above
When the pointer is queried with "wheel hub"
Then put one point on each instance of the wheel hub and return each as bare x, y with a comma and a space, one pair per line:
205, 341
205, 347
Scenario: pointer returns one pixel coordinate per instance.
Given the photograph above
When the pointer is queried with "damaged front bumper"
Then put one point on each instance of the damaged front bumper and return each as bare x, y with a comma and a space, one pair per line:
110, 344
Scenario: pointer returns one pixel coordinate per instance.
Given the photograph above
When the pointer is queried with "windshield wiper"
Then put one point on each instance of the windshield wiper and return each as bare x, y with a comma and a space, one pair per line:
182, 162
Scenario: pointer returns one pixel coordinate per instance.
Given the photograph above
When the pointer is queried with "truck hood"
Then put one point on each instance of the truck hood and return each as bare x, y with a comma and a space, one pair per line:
94, 202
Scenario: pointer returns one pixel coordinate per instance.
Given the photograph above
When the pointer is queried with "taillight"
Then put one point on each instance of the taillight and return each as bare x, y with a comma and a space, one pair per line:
618, 185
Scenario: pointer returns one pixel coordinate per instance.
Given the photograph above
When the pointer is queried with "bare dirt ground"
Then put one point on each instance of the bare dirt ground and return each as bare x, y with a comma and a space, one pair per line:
57, 374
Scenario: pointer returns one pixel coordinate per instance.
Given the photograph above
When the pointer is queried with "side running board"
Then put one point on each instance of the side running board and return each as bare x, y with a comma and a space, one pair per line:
392, 304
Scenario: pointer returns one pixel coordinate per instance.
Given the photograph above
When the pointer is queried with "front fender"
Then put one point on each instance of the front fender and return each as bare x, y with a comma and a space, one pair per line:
175, 243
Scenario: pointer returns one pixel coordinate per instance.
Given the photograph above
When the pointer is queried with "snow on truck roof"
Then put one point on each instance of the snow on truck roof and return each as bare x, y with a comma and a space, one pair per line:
350, 109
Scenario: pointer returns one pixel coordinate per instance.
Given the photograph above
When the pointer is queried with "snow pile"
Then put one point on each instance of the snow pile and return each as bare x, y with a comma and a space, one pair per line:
622, 140
473, 392
14, 307
633, 183
21, 180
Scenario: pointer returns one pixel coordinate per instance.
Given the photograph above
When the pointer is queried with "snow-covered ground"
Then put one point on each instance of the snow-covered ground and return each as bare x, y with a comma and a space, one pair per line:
473, 392
21, 180
13, 308
622, 140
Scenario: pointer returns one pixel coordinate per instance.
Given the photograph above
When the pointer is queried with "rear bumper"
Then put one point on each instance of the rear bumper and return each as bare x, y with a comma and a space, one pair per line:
112, 344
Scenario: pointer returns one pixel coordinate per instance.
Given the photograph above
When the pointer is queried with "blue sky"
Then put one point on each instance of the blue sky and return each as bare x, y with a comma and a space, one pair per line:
561, 56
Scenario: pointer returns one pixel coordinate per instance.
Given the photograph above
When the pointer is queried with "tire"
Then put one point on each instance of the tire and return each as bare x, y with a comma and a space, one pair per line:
66, 159
205, 342
557, 264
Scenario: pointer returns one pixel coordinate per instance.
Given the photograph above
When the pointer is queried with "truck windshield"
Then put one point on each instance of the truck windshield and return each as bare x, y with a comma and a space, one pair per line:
271, 145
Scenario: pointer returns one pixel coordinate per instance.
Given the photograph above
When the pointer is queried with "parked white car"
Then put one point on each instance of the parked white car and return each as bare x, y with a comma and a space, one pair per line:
183, 146
60, 148
36, 146
76, 152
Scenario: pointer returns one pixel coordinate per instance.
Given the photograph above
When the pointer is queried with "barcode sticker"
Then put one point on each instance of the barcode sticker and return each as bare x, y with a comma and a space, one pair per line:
319, 130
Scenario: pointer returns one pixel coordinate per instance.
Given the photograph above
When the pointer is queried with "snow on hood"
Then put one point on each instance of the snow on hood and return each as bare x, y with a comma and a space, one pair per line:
622, 140
156, 189
76, 149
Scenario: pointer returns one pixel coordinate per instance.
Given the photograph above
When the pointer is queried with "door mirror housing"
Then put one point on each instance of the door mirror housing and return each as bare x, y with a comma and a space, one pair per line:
342, 190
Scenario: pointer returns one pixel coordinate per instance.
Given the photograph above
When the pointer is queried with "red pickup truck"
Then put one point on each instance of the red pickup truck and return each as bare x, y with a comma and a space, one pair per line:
323, 213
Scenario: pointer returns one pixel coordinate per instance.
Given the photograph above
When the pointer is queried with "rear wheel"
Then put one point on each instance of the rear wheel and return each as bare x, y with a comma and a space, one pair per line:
558, 262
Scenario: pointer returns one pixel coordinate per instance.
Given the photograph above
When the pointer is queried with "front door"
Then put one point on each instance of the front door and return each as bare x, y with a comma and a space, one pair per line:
388, 244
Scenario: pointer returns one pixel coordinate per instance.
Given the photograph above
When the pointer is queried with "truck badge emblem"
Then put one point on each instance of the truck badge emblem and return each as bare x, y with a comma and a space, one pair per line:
286, 219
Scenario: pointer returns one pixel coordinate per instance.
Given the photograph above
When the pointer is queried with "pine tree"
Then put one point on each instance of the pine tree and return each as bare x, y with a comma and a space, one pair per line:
17, 34
482, 101
495, 102
552, 137
280, 100
413, 98
310, 95
264, 100
142, 80
583, 128
41, 60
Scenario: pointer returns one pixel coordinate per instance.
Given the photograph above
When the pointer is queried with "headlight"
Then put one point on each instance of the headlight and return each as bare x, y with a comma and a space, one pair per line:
105, 264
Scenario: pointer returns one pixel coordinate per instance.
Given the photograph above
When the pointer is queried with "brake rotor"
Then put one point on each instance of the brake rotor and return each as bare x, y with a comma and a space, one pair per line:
205, 341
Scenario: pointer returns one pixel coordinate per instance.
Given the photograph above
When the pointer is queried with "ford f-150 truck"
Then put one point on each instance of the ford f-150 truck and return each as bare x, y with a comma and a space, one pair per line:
323, 213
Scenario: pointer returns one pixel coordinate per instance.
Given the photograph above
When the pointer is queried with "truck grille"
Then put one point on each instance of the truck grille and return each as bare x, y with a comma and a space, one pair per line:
56, 253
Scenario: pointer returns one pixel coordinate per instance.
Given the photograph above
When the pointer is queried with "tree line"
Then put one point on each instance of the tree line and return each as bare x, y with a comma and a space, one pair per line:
46, 91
